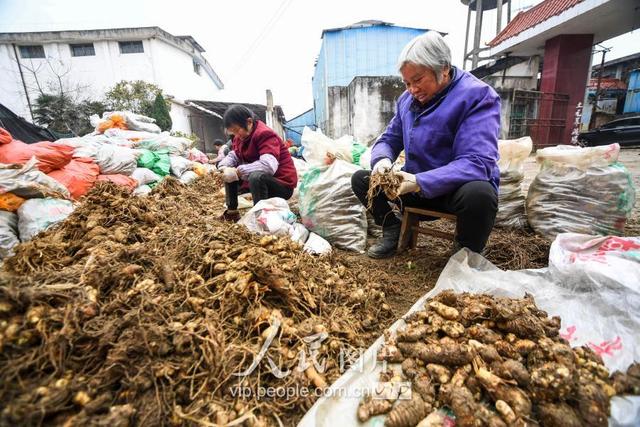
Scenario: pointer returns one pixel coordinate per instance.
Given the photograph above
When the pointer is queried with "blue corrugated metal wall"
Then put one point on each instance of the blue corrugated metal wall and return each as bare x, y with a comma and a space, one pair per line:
632, 101
351, 52
294, 127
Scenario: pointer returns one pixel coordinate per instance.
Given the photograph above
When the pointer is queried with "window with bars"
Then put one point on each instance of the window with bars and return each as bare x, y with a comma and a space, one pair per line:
34, 51
82, 49
131, 47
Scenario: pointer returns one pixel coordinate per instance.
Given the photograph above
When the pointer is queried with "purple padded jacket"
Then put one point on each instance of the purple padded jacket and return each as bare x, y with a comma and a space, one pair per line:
450, 141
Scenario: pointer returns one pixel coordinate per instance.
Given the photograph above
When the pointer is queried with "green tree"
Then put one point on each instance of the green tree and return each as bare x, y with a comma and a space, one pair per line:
136, 96
62, 114
160, 112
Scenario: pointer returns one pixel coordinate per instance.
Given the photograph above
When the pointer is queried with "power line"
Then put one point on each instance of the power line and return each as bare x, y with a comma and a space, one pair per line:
263, 33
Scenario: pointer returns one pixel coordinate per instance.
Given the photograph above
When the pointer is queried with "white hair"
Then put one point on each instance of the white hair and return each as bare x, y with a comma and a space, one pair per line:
429, 50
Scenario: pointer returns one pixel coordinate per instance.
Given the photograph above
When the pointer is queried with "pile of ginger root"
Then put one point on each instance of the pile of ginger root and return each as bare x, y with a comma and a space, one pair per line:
490, 361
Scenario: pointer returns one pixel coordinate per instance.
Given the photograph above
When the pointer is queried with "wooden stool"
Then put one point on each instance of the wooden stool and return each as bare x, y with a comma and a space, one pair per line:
411, 227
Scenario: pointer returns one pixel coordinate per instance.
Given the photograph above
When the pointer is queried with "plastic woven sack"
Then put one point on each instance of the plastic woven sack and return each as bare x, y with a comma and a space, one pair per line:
113, 159
145, 176
143, 190
157, 161
78, 176
365, 159
301, 167
28, 182
357, 150
118, 136
197, 156
188, 177
124, 120
8, 233
269, 216
50, 155
320, 150
179, 165
580, 190
10, 202
511, 200
5, 136
122, 180
199, 169
36, 215
110, 158
591, 315
329, 208
164, 141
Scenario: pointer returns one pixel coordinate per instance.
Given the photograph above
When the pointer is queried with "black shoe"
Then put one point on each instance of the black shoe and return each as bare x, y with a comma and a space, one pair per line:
386, 245
230, 216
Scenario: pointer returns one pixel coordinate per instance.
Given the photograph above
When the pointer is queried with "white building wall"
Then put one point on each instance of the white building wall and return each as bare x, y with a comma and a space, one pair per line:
11, 89
180, 118
161, 63
169, 63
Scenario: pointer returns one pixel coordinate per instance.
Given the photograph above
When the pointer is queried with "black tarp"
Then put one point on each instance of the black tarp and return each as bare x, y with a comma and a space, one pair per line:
21, 129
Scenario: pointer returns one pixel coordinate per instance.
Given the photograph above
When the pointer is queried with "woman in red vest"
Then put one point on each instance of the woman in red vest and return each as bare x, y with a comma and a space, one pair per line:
258, 161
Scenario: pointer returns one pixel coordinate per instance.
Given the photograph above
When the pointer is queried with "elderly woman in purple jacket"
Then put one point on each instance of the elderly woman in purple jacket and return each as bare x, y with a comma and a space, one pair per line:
447, 123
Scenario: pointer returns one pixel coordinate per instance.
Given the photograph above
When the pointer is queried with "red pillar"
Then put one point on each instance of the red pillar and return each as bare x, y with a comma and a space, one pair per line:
567, 62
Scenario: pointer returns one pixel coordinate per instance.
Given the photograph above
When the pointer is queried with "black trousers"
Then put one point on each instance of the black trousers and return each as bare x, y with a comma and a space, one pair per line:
474, 203
261, 185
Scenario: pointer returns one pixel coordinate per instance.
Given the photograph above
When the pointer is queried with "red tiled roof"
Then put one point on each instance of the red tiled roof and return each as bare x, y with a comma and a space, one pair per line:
607, 83
532, 17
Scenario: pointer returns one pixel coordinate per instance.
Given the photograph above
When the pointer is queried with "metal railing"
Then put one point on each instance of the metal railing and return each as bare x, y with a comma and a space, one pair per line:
540, 115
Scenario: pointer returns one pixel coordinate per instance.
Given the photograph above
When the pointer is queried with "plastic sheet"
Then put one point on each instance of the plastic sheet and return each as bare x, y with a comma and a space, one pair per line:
8, 233
590, 316
511, 200
28, 182
36, 215
580, 190
329, 208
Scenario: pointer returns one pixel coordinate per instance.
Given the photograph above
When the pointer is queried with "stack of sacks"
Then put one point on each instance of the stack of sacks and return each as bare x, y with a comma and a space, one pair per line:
511, 200
158, 154
50, 156
24, 186
124, 120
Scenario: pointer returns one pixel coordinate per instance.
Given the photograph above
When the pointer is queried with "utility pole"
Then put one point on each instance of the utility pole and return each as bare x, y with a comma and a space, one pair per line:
477, 35
592, 120
24, 84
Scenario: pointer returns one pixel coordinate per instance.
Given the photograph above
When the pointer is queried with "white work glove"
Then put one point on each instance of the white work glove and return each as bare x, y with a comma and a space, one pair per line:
409, 184
381, 166
229, 175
